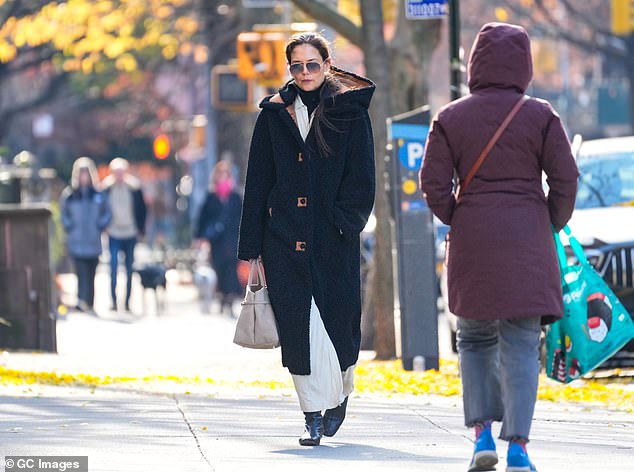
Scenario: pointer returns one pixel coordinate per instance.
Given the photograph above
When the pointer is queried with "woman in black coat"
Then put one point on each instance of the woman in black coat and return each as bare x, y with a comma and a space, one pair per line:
218, 223
309, 192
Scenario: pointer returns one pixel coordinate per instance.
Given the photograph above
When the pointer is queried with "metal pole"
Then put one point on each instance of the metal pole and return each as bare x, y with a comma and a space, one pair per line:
455, 63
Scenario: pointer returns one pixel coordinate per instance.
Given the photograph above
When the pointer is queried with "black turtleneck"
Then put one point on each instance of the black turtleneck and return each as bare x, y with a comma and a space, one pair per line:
311, 98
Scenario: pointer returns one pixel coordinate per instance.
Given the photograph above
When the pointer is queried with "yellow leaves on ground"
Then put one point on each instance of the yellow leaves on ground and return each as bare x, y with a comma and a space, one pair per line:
371, 377
88, 31
588, 392
389, 377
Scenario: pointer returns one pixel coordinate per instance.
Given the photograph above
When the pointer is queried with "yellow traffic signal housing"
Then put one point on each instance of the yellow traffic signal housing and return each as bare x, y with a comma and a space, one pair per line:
248, 50
622, 13
261, 57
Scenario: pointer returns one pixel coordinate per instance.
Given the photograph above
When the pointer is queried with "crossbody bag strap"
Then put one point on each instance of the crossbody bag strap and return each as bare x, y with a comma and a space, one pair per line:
490, 144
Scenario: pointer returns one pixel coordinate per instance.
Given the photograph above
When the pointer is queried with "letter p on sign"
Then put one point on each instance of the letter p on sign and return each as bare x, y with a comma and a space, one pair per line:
414, 154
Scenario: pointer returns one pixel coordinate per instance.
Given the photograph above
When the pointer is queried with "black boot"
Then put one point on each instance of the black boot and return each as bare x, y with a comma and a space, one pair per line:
314, 429
333, 418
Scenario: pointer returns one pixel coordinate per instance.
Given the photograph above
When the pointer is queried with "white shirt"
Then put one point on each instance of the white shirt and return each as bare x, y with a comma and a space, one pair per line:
303, 121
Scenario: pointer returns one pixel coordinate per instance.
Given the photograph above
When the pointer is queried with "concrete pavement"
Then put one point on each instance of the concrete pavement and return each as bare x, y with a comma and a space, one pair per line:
130, 432
230, 428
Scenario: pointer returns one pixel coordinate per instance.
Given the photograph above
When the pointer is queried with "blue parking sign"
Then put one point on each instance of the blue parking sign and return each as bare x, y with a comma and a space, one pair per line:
410, 154
425, 9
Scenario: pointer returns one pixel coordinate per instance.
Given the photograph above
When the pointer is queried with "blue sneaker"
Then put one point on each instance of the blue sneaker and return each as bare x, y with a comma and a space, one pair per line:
517, 460
484, 455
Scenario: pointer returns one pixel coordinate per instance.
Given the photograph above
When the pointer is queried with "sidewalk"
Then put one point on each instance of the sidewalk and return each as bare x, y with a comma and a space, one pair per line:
241, 432
225, 427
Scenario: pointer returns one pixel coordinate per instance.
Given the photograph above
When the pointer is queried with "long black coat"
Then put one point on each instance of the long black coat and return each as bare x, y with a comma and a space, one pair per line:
303, 213
218, 223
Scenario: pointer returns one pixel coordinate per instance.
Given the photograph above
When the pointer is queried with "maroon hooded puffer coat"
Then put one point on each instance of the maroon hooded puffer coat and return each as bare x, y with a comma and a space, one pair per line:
501, 260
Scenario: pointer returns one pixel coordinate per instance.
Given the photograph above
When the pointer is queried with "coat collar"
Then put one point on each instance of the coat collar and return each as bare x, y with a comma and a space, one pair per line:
287, 113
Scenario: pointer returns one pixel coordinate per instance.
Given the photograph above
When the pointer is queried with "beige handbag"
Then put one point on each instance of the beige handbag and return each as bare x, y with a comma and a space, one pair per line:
257, 328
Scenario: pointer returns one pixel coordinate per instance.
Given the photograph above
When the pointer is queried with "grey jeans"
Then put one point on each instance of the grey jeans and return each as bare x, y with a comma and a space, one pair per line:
499, 366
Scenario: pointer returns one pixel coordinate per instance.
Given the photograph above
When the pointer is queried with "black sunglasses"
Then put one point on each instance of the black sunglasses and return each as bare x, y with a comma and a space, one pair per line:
298, 67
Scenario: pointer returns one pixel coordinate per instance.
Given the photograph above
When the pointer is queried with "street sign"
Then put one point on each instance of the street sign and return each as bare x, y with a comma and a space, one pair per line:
263, 3
425, 9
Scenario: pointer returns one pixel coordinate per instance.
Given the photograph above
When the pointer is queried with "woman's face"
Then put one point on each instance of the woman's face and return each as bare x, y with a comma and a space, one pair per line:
305, 60
84, 178
222, 176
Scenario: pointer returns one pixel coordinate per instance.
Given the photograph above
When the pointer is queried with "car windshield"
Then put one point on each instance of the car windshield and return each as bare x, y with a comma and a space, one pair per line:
606, 180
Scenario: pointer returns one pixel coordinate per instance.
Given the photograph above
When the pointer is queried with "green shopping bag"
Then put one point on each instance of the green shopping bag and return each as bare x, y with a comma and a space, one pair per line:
595, 324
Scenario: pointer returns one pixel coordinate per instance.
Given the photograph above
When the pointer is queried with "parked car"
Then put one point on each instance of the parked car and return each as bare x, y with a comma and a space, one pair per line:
603, 222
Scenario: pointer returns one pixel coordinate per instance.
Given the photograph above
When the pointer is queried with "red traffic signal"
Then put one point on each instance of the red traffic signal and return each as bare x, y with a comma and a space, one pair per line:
161, 147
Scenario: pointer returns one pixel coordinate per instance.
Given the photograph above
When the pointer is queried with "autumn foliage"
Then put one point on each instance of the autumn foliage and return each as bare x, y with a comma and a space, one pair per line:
88, 34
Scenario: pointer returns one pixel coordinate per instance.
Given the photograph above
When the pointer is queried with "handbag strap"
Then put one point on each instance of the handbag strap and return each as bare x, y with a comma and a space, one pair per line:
490, 144
574, 244
256, 264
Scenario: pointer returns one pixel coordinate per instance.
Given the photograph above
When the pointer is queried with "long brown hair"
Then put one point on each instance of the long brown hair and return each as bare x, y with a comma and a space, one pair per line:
330, 86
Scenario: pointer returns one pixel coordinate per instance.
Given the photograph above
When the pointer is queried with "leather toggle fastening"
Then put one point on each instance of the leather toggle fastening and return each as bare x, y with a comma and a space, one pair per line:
300, 246
299, 157
302, 201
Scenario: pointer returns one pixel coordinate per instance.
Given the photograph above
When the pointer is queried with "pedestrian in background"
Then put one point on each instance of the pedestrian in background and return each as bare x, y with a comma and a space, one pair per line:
218, 224
503, 274
127, 225
85, 214
309, 192
160, 223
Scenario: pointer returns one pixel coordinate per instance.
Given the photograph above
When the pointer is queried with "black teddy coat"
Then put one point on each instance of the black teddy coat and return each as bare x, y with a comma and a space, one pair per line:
303, 213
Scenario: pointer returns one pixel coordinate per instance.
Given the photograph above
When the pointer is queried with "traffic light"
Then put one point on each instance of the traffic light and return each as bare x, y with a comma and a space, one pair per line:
261, 57
229, 92
161, 147
622, 13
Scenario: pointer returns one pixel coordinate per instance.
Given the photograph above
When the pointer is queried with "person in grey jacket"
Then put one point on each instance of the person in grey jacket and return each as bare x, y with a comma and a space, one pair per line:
85, 213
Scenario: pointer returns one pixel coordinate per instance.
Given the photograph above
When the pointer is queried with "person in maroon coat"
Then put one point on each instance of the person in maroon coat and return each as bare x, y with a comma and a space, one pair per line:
502, 269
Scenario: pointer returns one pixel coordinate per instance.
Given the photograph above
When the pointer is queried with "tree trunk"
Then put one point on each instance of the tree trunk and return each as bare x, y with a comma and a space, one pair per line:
630, 76
410, 53
375, 58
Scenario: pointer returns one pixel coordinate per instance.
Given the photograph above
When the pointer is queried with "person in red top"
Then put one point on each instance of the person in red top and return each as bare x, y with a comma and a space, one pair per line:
218, 223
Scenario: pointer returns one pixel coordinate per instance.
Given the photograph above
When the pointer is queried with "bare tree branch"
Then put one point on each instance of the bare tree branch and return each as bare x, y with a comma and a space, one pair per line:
20, 8
553, 29
588, 20
54, 86
328, 15
36, 56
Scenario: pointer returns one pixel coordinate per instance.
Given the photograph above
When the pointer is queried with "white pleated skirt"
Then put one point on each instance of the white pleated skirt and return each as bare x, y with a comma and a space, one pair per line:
326, 387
